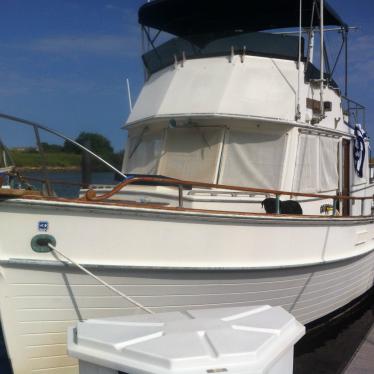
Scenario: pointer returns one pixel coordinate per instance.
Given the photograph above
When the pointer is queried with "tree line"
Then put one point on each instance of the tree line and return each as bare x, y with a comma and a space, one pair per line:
95, 142
98, 144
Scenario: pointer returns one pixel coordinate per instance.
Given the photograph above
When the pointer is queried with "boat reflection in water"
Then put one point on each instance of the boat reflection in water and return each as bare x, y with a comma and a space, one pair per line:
228, 117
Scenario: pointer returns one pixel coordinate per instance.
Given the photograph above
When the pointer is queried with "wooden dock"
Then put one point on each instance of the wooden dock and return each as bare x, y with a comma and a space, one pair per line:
363, 360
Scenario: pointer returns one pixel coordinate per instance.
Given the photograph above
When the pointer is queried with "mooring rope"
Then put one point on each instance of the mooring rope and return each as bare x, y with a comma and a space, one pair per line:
107, 285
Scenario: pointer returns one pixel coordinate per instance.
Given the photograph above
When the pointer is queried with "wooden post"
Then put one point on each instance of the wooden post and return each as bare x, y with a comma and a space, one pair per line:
180, 196
277, 204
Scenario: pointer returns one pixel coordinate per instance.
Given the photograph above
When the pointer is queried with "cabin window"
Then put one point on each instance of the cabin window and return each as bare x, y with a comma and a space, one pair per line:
191, 153
316, 164
254, 157
144, 151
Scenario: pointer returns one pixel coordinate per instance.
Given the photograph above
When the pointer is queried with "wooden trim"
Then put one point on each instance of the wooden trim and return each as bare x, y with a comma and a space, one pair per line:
91, 194
9, 192
214, 213
102, 200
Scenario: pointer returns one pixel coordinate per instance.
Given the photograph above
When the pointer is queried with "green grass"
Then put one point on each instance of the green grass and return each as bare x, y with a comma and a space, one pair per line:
54, 159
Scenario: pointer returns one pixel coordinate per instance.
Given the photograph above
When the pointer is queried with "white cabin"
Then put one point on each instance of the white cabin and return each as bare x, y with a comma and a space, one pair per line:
240, 112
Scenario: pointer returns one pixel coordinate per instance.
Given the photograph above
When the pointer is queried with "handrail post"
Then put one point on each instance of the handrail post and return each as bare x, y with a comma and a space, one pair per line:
180, 195
362, 207
334, 206
277, 204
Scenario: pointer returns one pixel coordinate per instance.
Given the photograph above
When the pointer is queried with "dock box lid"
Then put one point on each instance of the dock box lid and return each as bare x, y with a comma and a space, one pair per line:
229, 340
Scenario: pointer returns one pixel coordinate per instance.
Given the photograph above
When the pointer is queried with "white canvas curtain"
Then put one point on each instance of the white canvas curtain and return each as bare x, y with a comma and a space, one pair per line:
305, 179
253, 158
316, 164
144, 152
192, 153
328, 162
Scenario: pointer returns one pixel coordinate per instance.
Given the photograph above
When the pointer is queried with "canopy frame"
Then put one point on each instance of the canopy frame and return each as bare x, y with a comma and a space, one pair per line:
185, 18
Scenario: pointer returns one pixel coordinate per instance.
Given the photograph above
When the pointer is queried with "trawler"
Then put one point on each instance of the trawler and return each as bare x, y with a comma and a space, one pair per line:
245, 181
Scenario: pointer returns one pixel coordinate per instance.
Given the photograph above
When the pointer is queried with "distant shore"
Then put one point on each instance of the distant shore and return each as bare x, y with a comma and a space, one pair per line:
62, 169
32, 160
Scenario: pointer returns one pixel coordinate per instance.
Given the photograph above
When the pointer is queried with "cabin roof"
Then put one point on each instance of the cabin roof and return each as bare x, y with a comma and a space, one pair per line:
186, 18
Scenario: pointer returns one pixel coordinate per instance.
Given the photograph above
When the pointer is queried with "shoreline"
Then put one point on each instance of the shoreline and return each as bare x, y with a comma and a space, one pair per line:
49, 169
58, 169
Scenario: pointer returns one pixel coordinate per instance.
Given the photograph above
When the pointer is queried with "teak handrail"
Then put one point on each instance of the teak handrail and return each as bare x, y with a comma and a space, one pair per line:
91, 194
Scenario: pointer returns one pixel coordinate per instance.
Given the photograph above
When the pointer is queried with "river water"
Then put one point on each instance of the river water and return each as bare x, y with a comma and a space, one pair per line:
325, 350
64, 189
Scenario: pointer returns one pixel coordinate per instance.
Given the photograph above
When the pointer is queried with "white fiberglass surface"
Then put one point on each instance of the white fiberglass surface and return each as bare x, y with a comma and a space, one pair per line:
254, 157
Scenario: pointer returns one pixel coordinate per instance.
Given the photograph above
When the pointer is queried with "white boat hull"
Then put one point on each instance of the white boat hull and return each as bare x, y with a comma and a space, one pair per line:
167, 260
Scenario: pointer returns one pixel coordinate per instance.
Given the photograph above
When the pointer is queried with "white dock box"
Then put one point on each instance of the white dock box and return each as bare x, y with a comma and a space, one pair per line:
226, 340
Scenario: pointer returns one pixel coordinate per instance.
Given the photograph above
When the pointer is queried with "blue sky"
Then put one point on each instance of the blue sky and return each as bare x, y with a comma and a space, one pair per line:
64, 63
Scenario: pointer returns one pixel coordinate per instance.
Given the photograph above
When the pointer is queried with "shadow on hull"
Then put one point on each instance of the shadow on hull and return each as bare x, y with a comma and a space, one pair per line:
4, 359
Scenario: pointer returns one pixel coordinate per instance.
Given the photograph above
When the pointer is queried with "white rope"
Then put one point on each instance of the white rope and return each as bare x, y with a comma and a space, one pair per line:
128, 298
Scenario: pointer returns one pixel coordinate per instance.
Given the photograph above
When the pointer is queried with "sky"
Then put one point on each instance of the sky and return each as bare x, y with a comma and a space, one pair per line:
64, 63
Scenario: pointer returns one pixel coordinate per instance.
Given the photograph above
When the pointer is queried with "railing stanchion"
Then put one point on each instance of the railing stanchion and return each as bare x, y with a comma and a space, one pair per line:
334, 202
180, 195
362, 207
277, 204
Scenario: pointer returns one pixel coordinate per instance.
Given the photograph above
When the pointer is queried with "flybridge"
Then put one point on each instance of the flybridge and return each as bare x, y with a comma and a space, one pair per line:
212, 28
185, 18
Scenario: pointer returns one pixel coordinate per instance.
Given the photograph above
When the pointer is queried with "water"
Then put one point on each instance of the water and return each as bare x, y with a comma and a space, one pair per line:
74, 177
329, 349
326, 350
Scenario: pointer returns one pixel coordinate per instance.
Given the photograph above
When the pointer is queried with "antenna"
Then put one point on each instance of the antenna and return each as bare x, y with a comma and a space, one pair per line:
129, 93
298, 106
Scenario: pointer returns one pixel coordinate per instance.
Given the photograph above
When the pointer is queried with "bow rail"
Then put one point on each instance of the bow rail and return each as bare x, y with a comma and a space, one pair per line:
37, 127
